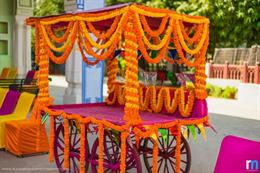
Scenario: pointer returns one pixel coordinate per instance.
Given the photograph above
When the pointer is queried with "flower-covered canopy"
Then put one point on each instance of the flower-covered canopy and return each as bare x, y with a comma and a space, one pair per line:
132, 26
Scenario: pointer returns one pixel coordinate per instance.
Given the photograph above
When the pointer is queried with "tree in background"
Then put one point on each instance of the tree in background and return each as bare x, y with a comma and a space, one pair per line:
234, 23
48, 7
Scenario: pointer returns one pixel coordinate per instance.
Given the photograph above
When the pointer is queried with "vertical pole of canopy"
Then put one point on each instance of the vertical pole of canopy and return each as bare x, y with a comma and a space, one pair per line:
131, 87
42, 60
178, 149
43, 95
112, 68
92, 76
43, 83
200, 82
200, 76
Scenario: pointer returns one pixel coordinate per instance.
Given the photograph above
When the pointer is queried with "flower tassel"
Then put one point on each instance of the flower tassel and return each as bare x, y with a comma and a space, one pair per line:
101, 148
123, 152
66, 143
82, 148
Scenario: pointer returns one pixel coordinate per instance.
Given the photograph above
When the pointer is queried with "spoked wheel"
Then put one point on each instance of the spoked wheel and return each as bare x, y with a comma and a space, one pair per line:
112, 153
74, 155
166, 157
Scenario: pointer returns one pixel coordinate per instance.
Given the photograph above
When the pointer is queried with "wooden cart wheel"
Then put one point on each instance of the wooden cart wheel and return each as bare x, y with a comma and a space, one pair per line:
74, 155
166, 157
112, 153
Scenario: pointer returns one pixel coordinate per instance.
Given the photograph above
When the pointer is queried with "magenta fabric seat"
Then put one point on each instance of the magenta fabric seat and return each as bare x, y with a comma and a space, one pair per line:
29, 77
238, 155
9, 102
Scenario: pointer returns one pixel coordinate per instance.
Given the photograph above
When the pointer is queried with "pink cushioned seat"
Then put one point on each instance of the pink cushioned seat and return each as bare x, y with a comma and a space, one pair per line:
238, 155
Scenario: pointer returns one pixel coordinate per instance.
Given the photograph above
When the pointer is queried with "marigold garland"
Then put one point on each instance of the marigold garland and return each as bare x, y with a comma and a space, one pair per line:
123, 152
65, 44
155, 99
61, 59
178, 150
131, 109
88, 48
112, 38
88, 17
171, 105
140, 10
66, 143
51, 146
64, 37
195, 37
200, 82
155, 154
82, 147
108, 33
199, 58
101, 147
157, 32
164, 40
112, 69
184, 45
185, 110
85, 59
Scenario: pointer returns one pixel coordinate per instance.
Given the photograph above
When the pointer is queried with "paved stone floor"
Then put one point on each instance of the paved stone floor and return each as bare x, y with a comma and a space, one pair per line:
204, 154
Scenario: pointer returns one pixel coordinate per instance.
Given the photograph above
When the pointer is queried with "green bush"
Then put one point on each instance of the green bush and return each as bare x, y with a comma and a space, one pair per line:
210, 88
229, 92
216, 91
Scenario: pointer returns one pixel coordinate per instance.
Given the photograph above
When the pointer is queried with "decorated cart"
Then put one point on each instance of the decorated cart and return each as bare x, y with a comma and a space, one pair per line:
135, 121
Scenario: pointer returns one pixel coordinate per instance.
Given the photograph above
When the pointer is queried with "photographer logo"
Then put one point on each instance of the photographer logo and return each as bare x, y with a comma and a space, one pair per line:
252, 165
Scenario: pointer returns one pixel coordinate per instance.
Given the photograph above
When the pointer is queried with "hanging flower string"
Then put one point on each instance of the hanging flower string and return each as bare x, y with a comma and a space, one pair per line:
197, 29
157, 32
156, 98
182, 41
108, 33
131, 109
64, 37
82, 147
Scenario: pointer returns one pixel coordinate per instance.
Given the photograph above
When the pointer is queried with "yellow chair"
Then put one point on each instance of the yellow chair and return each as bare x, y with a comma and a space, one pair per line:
4, 73
25, 137
3, 92
20, 112
12, 73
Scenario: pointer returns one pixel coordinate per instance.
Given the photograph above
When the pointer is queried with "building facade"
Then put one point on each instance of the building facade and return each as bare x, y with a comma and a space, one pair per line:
15, 36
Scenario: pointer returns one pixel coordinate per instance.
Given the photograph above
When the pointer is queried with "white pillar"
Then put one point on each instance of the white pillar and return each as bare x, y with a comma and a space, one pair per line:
73, 71
73, 68
22, 37
207, 69
22, 46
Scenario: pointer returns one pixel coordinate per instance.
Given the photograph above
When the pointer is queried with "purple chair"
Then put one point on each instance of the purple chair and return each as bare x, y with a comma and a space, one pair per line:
29, 77
238, 155
28, 84
9, 102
